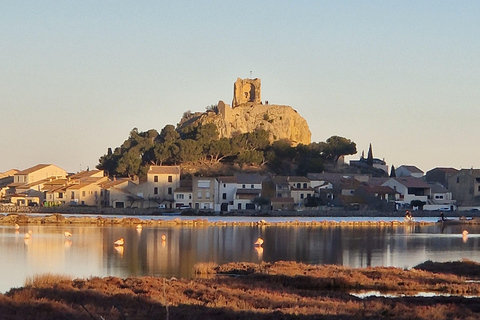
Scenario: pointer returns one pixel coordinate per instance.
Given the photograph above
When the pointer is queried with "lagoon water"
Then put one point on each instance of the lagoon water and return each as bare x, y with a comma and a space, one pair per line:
90, 251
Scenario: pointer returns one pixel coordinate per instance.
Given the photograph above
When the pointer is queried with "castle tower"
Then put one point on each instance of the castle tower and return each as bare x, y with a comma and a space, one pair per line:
246, 91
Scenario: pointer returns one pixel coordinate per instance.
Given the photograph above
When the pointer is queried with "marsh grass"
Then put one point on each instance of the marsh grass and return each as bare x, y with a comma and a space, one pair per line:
45, 280
204, 268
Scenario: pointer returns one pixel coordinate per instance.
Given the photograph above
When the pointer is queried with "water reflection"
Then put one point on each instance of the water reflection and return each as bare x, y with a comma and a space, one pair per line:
173, 251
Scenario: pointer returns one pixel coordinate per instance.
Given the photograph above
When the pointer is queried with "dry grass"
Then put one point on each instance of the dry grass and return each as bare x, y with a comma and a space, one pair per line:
45, 280
204, 268
282, 290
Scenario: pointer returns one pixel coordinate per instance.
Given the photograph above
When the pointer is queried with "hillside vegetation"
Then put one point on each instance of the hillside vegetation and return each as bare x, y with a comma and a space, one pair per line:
199, 148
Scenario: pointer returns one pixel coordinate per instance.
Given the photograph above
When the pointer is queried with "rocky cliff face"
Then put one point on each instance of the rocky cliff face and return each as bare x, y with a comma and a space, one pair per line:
283, 122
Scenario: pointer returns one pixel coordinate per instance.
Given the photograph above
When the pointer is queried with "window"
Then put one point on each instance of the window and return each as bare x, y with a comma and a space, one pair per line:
478, 188
180, 196
170, 179
224, 196
298, 185
83, 193
170, 191
72, 196
243, 186
207, 195
458, 179
155, 178
204, 183
101, 193
305, 185
199, 195
252, 186
239, 206
60, 195
155, 190
301, 195
189, 196
224, 185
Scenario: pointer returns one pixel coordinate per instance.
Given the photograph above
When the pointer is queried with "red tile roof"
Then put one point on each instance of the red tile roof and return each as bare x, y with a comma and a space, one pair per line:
32, 169
164, 170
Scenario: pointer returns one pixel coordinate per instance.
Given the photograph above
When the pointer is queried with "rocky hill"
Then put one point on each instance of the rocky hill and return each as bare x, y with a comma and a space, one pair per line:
282, 122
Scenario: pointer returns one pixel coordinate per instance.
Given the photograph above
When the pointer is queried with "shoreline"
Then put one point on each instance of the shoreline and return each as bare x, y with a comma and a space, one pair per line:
59, 219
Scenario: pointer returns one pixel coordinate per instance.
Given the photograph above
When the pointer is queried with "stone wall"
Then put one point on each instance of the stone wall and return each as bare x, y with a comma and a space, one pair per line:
246, 91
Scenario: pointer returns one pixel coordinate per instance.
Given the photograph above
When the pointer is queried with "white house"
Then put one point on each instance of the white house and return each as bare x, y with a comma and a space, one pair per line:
409, 188
408, 171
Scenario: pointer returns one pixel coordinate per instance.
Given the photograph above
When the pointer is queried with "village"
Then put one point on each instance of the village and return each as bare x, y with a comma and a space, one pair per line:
163, 190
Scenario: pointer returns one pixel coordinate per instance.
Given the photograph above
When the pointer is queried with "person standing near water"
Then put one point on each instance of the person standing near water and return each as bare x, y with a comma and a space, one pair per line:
442, 216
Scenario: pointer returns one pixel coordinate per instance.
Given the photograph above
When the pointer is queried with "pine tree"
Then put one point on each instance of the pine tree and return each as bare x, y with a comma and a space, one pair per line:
370, 156
392, 172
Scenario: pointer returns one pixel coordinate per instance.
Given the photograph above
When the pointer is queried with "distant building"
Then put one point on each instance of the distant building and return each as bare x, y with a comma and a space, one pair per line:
203, 193
465, 187
27, 186
440, 175
158, 190
408, 171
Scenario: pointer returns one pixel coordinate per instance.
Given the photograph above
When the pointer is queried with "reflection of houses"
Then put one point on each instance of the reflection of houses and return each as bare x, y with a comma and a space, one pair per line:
409, 188
465, 187
28, 184
158, 189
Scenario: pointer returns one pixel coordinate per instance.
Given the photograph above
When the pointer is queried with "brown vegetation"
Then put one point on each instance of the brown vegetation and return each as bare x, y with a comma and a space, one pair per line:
283, 290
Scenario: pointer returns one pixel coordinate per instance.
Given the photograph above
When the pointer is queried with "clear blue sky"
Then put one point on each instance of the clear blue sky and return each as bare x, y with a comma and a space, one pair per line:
77, 76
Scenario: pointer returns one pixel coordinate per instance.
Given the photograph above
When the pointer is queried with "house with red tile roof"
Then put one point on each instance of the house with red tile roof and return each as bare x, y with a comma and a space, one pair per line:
408, 171
410, 188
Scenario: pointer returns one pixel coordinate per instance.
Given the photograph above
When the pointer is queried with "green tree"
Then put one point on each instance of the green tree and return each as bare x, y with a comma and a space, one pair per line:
189, 151
336, 147
250, 157
168, 135
129, 163
219, 149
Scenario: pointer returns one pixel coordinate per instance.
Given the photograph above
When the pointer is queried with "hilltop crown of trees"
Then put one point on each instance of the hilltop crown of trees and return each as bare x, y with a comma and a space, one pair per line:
199, 145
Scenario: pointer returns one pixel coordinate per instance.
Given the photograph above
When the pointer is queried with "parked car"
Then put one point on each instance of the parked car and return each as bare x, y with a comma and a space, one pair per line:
33, 204
184, 207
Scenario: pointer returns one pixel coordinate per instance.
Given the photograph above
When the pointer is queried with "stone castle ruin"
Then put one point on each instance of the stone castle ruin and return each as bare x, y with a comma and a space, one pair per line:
246, 91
